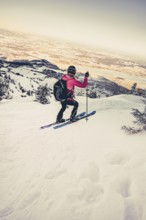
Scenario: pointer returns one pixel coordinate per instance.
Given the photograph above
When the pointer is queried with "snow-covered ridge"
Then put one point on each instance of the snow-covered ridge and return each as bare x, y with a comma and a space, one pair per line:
23, 77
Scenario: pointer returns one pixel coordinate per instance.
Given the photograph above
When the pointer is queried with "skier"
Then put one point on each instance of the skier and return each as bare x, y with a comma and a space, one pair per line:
71, 82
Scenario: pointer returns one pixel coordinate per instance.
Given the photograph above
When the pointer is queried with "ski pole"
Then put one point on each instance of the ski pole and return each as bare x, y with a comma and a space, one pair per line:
87, 102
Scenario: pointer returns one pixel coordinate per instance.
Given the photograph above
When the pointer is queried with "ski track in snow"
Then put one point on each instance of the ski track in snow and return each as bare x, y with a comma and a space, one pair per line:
88, 170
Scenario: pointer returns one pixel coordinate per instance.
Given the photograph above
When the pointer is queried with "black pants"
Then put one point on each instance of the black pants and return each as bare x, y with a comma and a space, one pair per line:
64, 105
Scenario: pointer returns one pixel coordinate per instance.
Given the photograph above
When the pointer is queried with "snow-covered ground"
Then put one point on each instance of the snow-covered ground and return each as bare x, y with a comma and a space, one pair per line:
90, 170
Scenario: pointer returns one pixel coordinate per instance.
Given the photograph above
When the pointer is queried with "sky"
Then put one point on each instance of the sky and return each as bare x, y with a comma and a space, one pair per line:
113, 24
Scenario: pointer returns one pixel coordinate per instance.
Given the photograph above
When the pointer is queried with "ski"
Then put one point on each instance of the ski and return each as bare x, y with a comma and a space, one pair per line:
79, 118
54, 123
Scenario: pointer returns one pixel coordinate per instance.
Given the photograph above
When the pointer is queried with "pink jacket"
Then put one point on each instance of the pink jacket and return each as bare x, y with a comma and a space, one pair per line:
72, 82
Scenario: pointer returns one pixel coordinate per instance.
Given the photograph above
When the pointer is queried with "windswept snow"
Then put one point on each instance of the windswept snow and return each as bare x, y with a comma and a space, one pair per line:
90, 170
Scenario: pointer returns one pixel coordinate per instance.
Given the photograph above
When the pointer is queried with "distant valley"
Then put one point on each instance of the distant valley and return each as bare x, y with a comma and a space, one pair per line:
121, 70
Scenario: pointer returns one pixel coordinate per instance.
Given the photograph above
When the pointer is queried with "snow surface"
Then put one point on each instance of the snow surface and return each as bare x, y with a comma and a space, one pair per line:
90, 170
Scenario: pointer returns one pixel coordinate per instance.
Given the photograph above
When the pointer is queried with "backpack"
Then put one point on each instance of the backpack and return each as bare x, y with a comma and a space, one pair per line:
60, 90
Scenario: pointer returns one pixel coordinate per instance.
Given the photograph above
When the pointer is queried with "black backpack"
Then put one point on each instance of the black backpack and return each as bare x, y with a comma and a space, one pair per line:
60, 90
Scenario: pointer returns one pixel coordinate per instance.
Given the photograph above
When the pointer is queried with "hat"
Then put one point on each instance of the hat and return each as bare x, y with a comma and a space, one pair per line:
71, 69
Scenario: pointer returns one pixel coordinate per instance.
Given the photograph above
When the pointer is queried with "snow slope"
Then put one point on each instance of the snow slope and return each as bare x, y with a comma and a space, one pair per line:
86, 171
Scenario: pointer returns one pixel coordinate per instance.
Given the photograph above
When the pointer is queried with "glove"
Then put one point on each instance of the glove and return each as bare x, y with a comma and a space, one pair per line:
87, 74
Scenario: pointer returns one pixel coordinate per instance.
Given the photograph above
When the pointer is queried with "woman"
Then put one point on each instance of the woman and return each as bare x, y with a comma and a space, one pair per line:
71, 82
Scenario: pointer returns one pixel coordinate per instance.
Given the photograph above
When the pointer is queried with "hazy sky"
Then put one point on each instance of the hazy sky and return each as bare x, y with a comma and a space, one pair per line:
116, 24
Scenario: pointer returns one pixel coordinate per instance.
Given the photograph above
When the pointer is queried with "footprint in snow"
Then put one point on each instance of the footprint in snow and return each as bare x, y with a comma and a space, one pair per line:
116, 159
122, 185
30, 199
56, 173
5, 212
